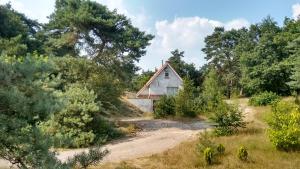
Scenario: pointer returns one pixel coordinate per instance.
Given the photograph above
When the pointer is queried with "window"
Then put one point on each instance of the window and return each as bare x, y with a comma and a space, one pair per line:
172, 90
166, 75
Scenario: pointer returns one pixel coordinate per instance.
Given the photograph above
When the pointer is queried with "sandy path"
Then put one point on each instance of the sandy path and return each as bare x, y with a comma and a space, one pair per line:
156, 136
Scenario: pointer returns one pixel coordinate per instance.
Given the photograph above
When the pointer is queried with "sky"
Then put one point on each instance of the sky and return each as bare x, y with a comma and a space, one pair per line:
181, 24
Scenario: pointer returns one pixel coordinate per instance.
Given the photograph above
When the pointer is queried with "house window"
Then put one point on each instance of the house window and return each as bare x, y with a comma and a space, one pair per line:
172, 90
166, 75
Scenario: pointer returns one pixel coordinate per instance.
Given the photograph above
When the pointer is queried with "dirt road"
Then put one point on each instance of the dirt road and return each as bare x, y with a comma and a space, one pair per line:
156, 136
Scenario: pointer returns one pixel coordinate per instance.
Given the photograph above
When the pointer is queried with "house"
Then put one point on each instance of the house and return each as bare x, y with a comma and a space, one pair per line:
165, 81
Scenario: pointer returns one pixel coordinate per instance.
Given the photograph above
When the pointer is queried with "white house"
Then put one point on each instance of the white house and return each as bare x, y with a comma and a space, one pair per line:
165, 81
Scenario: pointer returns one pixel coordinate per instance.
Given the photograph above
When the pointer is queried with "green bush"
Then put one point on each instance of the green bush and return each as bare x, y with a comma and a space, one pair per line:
263, 99
205, 141
228, 118
212, 92
221, 149
284, 126
184, 100
242, 153
78, 123
208, 155
164, 107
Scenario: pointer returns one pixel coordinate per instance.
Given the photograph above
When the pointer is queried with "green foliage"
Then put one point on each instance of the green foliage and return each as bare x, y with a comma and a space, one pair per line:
295, 83
185, 69
212, 91
263, 99
221, 149
108, 37
26, 98
73, 122
205, 141
164, 107
264, 58
242, 153
228, 118
81, 70
284, 123
184, 106
86, 159
219, 49
18, 34
208, 155
139, 81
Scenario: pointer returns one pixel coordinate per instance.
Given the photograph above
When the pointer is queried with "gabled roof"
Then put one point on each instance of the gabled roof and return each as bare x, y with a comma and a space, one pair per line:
157, 73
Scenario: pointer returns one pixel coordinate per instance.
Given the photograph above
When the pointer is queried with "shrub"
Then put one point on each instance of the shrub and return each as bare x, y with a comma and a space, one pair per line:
284, 131
228, 118
164, 107
208, 155
205, 142
221, 149
212, 92
263, 99
242, 153
184, 105
77, 124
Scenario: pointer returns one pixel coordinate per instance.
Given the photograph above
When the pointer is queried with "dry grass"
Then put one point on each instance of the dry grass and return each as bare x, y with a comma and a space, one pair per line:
262, 155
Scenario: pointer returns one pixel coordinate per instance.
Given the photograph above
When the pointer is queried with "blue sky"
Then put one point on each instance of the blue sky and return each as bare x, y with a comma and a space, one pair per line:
181, 24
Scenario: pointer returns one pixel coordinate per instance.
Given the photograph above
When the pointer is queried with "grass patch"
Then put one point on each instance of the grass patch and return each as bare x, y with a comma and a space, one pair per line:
262, 154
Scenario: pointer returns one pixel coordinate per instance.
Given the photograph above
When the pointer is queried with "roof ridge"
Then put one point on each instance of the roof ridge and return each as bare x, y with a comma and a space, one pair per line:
157, 73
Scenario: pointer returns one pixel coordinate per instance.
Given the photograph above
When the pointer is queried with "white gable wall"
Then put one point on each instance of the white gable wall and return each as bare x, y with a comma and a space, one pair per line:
160, 83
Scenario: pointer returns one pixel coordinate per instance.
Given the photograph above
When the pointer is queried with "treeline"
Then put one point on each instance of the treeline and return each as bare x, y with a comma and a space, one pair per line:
248, 61
59, 79
255, 59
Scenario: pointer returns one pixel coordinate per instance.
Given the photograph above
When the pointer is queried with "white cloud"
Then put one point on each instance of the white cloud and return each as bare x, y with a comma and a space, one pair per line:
296, 10
138, 19
184, 33
236, 24
38, 10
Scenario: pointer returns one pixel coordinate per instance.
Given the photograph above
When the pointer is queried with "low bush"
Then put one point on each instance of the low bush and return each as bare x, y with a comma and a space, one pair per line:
228, 118
205, 141
221, 149
284, 126
164, 107
208, 155
242, 153
263, 99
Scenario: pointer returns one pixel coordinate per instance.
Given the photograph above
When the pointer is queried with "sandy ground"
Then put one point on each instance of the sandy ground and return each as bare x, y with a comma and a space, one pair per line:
156, 136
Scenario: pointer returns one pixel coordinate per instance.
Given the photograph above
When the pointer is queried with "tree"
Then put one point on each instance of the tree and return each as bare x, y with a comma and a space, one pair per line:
84, 71
219, 50
184, 100
184, 69
140, 80
26, 98
212, 91
294, 49
106, 36
18, 34
72, 125
266, 66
